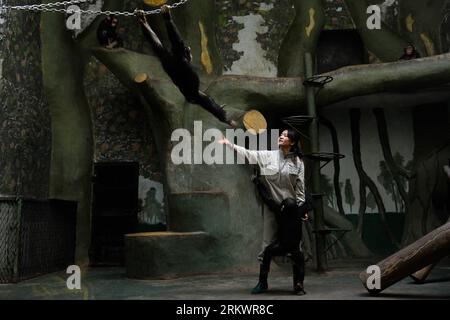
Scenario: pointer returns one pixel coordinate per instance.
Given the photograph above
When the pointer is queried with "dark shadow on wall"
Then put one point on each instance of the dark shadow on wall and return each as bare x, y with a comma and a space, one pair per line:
374, 235
339, 48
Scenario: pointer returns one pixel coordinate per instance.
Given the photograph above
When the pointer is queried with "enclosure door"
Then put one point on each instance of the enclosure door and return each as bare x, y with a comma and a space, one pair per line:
114, 211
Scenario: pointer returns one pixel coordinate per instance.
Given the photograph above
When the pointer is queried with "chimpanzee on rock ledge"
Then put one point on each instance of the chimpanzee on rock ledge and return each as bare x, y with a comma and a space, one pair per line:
107, 33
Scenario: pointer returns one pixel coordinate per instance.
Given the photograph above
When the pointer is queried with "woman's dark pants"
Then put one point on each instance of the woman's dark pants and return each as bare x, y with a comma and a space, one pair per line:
289, 236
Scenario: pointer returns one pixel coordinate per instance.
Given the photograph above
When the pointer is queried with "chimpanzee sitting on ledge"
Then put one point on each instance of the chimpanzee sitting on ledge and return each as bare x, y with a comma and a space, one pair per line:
107, 33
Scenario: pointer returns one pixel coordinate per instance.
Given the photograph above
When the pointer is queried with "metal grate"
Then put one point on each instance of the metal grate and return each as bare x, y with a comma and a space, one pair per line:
47, 237
9, 226
36, 237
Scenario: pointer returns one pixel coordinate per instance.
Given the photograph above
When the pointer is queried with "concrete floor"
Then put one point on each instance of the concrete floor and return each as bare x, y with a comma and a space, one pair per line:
341, 282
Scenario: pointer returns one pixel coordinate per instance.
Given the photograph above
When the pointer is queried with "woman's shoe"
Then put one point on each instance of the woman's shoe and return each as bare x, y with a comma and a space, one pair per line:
261, 287
299, 289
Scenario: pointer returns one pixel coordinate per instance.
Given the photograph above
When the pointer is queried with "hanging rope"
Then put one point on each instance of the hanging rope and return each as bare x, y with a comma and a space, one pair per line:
50, 7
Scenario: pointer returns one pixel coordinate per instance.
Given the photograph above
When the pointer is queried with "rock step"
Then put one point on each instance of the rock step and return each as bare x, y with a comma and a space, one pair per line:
166, 255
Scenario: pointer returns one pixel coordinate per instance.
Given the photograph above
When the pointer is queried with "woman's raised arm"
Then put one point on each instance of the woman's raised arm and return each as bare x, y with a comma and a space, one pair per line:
251, 155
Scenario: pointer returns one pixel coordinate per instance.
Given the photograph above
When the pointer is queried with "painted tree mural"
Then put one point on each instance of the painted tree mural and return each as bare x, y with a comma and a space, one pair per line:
370, 200
386, 180
349, 195
328, 190
191, 191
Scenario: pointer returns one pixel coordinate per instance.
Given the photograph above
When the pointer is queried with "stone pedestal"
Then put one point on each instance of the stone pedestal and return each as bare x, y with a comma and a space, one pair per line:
164, 255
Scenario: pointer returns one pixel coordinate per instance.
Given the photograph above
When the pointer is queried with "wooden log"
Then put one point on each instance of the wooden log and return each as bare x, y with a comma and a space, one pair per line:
428, 250
421, 275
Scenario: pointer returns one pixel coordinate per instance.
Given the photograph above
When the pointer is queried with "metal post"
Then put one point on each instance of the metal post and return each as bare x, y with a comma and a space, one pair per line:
322, 264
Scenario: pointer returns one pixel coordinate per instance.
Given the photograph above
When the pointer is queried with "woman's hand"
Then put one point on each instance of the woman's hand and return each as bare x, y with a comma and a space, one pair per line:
305, 217
224, 141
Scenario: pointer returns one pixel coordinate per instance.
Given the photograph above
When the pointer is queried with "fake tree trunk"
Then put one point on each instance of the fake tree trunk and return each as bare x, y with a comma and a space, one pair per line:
71, 123
427, 195
63, 62
302, 37
385, 44
200, 197
425, 251
420, 23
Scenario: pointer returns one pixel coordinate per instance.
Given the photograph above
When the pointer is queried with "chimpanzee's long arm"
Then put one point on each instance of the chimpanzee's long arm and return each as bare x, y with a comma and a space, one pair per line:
178, 45
151, 37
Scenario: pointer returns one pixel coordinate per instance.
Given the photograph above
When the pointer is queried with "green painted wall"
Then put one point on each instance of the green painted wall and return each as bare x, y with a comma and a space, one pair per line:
373, 232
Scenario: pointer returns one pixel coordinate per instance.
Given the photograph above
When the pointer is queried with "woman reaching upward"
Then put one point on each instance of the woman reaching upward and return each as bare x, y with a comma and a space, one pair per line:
283, 177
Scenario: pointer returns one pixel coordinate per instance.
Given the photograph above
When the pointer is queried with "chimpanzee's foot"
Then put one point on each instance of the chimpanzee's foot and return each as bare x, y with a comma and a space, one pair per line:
229, 121
232, 123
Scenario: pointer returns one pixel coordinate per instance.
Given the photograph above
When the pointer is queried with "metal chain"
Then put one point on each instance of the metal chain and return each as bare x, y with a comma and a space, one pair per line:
43, 5
48, 7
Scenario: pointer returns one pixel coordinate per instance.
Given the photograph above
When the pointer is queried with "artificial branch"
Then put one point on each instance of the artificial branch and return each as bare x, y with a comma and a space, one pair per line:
386, 77
287, 95
383, 43
72, 141
302, 36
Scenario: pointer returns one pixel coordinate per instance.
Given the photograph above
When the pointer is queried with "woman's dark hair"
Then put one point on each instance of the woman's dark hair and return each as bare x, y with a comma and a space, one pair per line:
294, 136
